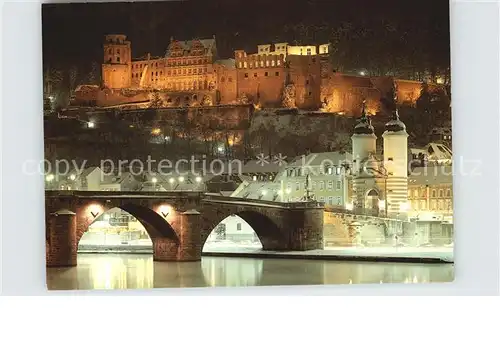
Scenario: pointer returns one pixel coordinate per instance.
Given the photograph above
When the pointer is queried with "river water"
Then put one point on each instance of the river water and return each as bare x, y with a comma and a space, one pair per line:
139, 271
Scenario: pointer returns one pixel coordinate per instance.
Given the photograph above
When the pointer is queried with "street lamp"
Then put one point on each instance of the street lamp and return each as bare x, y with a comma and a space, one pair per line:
198, 179
90, 124
72, 177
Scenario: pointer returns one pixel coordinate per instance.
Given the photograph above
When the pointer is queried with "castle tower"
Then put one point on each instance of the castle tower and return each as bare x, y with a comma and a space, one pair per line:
365, 168
117, 66
363, 141
396, 163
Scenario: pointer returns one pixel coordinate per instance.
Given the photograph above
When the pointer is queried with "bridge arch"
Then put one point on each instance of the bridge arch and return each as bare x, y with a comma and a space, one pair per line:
267, 231
153, 222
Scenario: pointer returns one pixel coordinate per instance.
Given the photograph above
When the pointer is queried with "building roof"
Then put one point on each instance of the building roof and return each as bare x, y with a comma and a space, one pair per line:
188, 44
433, 175
86, 171
317, 159
258, 190
261, 166
229, 63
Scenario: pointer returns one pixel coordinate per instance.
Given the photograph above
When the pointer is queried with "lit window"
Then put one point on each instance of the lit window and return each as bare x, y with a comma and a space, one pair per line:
277, 74
240, 65
321, 185
330, 185
267, 63
266, 74
261, 63
251, 65
279, 63
272, 63
245, 64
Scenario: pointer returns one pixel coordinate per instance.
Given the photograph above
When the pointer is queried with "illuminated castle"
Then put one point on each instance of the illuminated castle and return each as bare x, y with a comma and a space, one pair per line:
190, 73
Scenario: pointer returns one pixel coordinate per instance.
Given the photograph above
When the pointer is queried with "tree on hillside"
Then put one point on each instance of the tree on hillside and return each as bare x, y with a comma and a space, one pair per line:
155, 100
72, 79
94, 76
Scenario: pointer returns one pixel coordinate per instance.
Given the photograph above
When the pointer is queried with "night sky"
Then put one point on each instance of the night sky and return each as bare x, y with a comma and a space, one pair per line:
73, 33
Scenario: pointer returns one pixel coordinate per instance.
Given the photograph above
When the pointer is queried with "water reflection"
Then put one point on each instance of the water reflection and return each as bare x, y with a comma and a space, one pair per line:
129, 271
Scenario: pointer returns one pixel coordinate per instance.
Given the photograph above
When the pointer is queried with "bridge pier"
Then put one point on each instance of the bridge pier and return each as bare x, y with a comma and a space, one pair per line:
189, 246
61, 247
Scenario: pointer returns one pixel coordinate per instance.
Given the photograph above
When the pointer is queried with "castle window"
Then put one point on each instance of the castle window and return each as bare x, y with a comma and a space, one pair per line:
279, 63
251, 64
261, 63
255, 75
246, 75
110, 52
230, 79
448, 193
330, 185
222, 80
152, 73
309, 51
390, 159
245, 64
156, 73
161, 73
189, 71
272, 63
433, 193
441, 193
240, 65
118, 59
307, 81
267, 63
118, 51
338, 184
266, 74
314, 60
277, 74
156, 64
310, 93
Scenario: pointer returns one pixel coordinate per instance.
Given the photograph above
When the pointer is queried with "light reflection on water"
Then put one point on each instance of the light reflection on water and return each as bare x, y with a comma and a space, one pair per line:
136, 271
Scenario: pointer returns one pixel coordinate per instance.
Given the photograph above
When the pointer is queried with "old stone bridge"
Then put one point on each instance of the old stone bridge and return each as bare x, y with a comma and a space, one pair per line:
178, 223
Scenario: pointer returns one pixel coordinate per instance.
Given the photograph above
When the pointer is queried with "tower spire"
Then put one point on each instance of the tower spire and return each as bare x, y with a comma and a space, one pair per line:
395, 99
